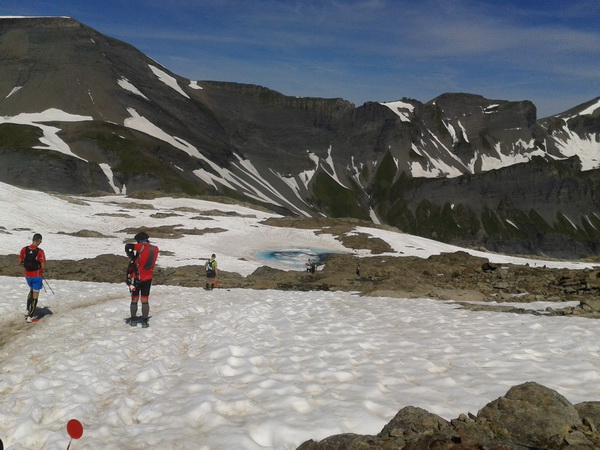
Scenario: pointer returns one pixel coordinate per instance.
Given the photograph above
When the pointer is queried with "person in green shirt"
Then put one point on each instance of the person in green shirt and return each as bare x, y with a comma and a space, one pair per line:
212, 272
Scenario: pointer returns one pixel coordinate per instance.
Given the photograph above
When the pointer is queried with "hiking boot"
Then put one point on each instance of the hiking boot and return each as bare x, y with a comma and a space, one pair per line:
133, 322
29, 319
145, 324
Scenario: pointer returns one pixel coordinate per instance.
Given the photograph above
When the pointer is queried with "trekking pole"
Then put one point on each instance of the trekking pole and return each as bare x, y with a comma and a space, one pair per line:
48, 284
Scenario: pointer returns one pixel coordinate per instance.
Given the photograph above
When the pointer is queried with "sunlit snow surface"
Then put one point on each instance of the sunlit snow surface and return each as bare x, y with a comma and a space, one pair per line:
264, 369
246, 369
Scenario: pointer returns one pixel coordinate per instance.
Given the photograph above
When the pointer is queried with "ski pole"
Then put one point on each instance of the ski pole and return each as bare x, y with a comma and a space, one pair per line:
48, 284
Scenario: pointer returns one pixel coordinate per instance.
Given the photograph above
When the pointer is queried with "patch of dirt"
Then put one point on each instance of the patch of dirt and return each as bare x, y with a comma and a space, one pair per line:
339, 228
73, 200
171, 231
164, 215
132, 205
128, 216
86, 233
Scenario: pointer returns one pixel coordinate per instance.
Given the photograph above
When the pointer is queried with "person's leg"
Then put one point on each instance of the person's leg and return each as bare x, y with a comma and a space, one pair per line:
32, 304
29, 300
133, 307
145, 309
145, 296
35, 284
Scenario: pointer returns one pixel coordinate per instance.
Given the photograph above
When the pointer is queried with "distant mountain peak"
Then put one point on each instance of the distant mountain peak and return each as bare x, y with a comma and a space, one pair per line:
92, 113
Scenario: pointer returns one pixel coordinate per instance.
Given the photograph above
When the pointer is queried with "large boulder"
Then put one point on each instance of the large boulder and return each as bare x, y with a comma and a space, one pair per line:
528, 416
532, 415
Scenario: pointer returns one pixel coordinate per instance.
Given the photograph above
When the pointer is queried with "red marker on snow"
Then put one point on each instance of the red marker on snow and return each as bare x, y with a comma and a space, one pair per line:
75, 430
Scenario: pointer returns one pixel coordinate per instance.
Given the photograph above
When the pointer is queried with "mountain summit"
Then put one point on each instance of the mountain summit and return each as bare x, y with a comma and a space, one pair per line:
82, 112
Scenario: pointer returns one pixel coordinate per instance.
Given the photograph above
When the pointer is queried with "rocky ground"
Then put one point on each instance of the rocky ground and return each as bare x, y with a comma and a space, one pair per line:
529, 416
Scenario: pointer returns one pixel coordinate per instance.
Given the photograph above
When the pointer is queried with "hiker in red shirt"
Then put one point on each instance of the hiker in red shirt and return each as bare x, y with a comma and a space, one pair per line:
144, 255
33, 260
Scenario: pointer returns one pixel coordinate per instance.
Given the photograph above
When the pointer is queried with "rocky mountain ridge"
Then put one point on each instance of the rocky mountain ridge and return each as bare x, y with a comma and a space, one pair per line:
82, 112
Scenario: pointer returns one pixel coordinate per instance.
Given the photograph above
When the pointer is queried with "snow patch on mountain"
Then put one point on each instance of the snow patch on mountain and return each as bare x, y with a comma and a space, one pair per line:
212, 179
589, 221
590, 109
332, 172
235, 181
246, 179
140, 123
515, 155
355, 171
464, 131
50, 139
306, 176
111, 179
15, 89
453, 133
49, 115
401, 109
451, 130
252, 189
292, 183
168, 80
128, 86
586, 148
434, 166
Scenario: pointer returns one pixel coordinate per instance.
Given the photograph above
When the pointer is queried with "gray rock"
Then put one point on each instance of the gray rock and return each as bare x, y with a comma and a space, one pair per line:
529, 416
591, 304
532, 415
590, 414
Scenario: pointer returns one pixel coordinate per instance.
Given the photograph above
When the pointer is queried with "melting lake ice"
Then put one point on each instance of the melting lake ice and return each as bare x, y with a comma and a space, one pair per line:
295, 258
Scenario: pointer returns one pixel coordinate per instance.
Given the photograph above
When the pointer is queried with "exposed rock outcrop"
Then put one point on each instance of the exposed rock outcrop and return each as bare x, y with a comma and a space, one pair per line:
528, 416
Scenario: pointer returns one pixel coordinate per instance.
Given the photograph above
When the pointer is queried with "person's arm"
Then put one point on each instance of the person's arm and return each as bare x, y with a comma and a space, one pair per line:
42, 259
21, 257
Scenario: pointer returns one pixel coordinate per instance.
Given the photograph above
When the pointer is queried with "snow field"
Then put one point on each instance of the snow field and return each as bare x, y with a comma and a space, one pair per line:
251, 369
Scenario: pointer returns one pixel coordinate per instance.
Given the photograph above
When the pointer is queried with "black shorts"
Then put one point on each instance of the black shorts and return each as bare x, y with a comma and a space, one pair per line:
143, 288
210, 274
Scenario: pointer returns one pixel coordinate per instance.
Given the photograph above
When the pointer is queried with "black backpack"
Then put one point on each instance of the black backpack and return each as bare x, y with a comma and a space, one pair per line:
30, 262
132, 279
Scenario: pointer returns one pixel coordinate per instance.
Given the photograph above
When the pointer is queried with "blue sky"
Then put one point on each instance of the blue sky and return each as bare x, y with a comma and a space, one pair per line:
546, 51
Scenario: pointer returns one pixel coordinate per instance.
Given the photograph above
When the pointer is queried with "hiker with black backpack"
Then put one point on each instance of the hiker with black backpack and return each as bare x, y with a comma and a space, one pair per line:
143, 256
33, 260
